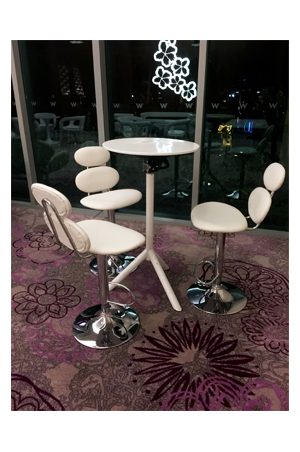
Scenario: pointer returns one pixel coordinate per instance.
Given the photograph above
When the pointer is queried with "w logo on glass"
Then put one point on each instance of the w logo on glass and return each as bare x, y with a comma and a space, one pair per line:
173, 71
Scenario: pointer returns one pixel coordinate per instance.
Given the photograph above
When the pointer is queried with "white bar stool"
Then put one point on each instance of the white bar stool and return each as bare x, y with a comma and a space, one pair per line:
107, 324
97, 181
216, 296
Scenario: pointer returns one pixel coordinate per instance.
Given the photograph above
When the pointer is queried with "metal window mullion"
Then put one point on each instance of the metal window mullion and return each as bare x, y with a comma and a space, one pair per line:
199, 121
100, 90
23, 121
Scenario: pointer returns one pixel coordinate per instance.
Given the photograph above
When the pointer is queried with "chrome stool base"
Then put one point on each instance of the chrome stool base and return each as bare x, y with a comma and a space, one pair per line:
115, 265
107, 328
224, 298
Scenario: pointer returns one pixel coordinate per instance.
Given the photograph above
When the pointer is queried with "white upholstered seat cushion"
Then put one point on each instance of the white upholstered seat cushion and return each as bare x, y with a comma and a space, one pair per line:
111, 200
107, 238
218, 217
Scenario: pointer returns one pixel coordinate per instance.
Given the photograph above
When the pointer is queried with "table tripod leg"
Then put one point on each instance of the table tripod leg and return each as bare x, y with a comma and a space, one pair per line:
164, 281
121, 276
162, 262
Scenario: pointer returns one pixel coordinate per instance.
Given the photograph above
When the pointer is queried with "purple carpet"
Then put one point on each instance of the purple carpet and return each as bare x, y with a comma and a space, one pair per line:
185, 360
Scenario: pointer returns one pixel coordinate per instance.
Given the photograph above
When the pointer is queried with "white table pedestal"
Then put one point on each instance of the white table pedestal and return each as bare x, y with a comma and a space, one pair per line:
149, 253
153, 150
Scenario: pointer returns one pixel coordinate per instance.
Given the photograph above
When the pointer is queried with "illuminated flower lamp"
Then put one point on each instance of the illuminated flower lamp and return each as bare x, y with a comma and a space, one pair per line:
178, 69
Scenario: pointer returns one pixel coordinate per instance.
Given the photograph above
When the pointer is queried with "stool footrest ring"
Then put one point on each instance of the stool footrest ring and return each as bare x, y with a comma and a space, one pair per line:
125, 288
211, 281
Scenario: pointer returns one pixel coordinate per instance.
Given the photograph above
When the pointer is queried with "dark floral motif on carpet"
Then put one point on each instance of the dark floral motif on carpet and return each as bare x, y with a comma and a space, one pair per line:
26, 396
195, 366
256, 281
40, 247
267, 292
42, 301
272, 333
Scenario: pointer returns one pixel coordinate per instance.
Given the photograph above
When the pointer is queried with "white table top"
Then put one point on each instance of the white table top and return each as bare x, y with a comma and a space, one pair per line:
150, 146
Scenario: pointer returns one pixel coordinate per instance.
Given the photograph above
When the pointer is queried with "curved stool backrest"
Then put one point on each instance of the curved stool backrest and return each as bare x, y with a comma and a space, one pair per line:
92, 156
61, 203
260, 199
97, 179
56, 208
259, 204
274, 176
67, 232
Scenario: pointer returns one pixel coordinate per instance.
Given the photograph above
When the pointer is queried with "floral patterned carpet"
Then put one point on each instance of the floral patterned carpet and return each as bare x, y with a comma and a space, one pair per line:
185, 360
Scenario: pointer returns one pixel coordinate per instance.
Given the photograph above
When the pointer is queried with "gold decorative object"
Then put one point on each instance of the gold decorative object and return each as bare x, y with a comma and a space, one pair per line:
225, 131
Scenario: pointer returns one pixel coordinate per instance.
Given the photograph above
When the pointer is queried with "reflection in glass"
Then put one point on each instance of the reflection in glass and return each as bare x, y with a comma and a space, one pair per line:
246, 122
19, 186
146, 99
58, 81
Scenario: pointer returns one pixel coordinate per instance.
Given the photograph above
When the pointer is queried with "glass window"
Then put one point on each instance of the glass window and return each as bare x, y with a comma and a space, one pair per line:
246, 123
59, 86
152, 92
19, 186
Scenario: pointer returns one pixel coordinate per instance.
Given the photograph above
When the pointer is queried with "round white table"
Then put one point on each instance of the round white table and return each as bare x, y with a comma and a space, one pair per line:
152, 149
